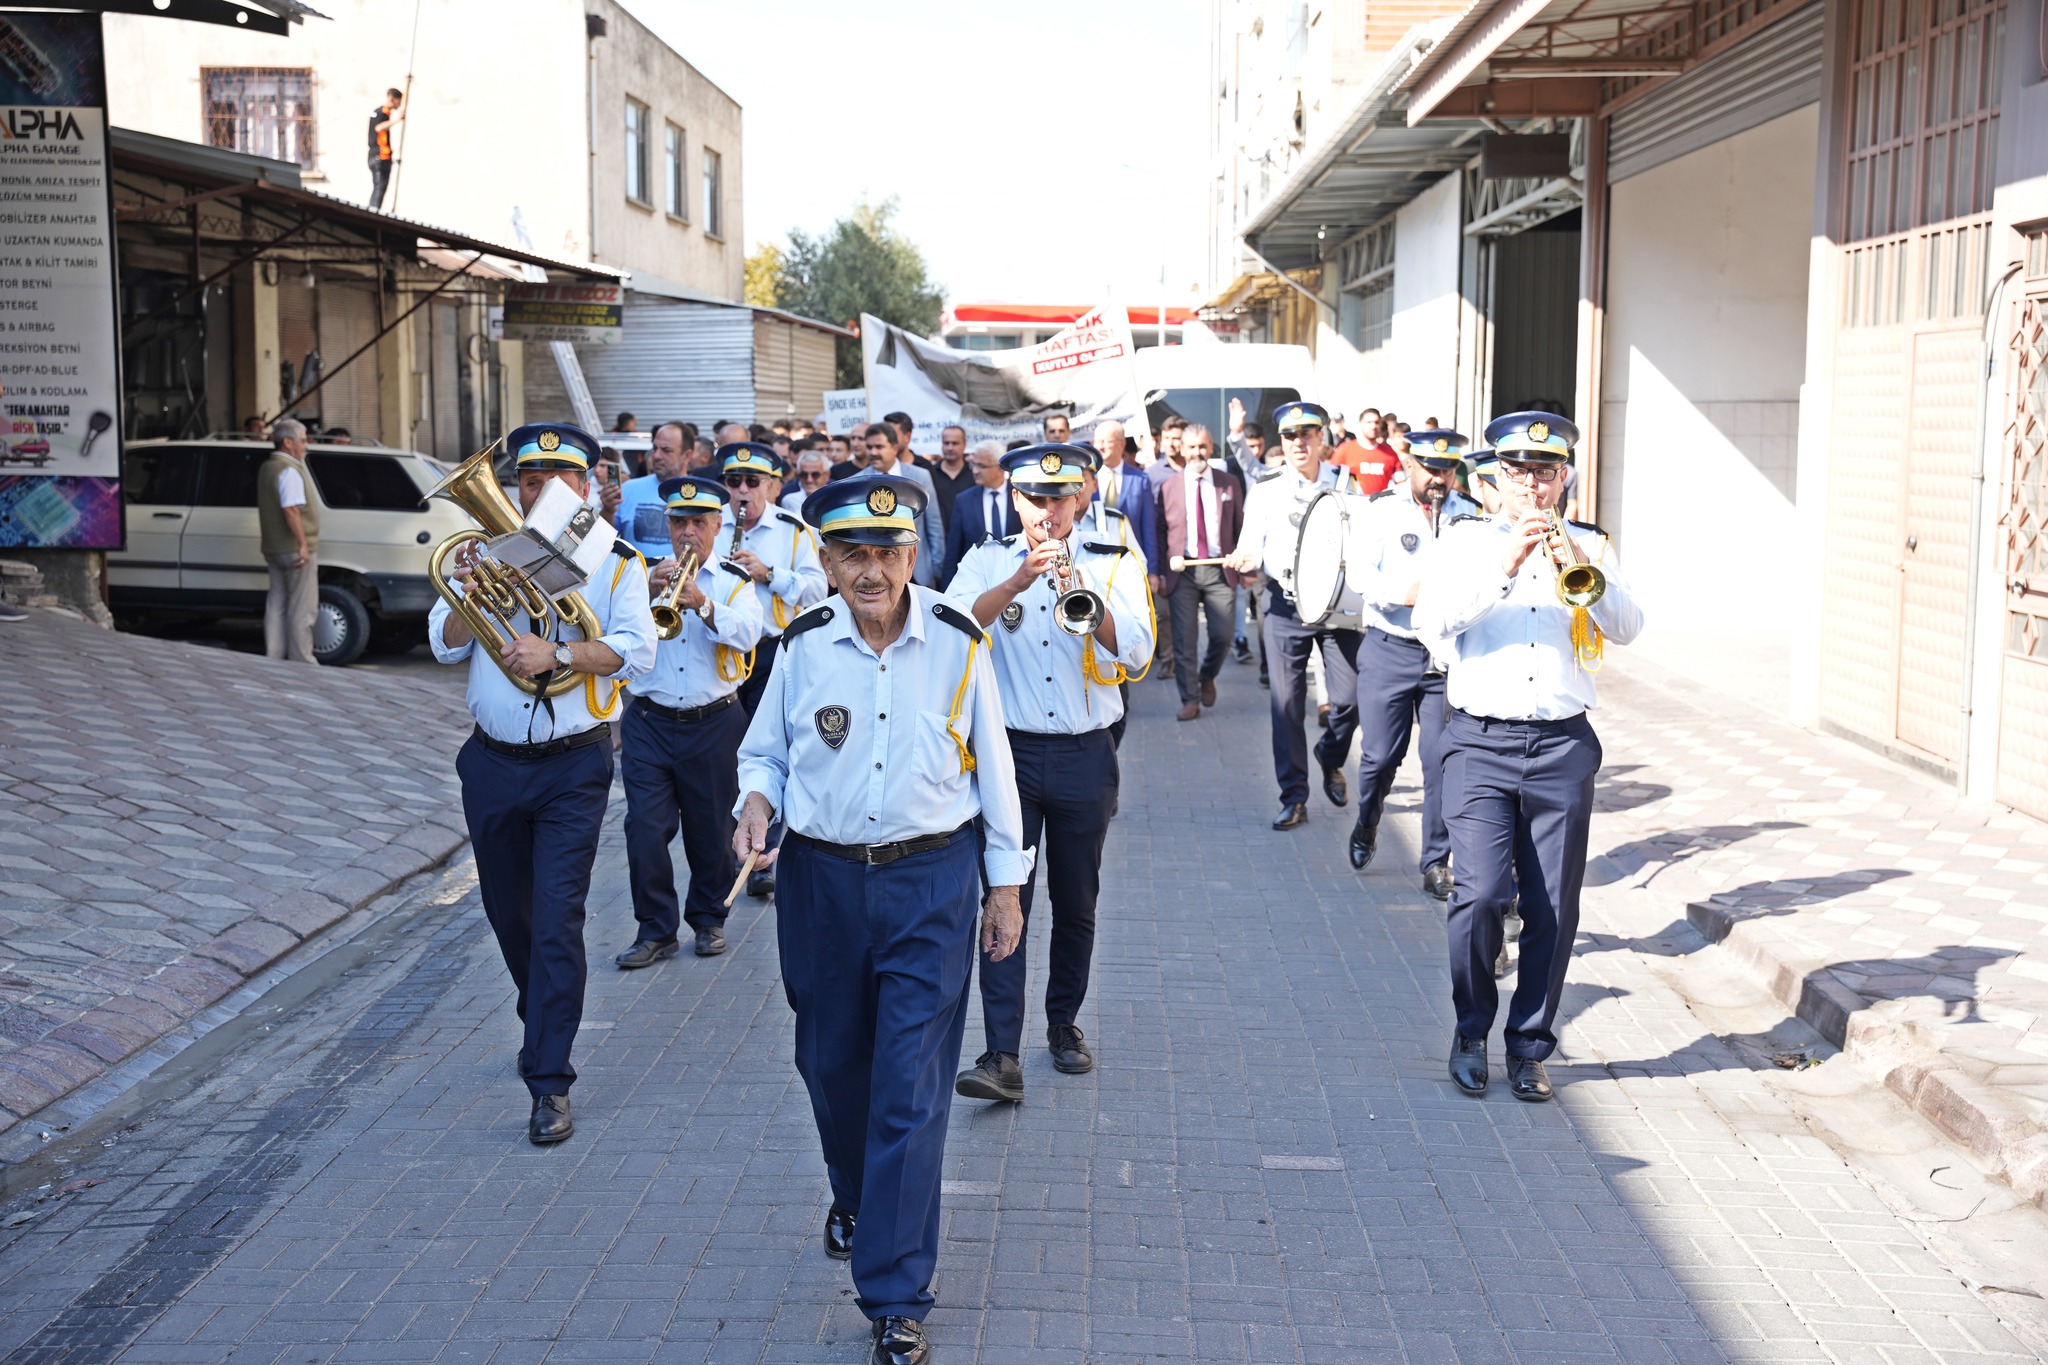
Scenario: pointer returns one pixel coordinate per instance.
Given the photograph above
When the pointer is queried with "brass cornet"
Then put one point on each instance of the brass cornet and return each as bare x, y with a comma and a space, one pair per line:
1078, 610
668, 617
1579, 584
495, 594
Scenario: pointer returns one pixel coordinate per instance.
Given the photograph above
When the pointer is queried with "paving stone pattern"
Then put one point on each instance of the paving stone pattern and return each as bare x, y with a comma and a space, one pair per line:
1268, 1165
173, 819
1904, 924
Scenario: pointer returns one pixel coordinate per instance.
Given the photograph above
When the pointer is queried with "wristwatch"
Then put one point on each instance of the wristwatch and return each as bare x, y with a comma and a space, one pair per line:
704, 609
563, 658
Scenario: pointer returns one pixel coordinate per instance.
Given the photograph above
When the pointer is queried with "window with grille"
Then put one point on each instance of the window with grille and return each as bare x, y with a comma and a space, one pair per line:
1923, 113
2026, 519
637, 188
714, 173
675, 194
264, 111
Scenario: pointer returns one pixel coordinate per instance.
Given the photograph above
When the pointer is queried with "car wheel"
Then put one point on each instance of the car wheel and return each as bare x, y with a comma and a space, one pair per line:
341, 627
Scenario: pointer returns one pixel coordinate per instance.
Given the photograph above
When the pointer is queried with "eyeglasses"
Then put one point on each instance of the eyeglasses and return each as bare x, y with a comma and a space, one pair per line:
1530, 473
744, 481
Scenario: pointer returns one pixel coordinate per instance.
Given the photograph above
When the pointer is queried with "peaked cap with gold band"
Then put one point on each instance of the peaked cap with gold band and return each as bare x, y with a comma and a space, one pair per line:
693, 495
1296, 415
751, 457
552, 445
867, 509
1532, 437
1438, 448
1050, 471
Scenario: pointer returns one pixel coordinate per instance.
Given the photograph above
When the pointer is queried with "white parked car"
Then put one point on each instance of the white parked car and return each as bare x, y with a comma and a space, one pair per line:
194, 548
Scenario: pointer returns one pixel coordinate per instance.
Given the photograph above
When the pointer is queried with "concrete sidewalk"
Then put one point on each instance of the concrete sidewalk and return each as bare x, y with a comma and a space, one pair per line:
1908, 927
173, 819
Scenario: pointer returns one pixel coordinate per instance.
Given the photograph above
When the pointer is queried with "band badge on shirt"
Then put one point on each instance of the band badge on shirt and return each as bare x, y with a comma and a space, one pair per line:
1294, 520
1410, 541
1013, 617
833, 722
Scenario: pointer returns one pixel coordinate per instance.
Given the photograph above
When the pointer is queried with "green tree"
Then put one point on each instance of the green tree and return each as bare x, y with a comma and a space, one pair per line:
861, 264
764, 276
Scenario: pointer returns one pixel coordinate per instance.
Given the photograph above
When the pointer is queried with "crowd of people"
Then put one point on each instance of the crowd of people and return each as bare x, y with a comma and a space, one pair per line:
889, 689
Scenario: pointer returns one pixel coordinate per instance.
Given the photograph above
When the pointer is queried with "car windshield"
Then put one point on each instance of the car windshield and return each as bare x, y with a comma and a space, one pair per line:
373, 483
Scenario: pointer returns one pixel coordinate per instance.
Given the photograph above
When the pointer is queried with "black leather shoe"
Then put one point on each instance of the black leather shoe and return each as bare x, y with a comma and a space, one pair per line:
1527, 1080
839, 1233
761, 885
1292, 814
1438, 881
994, 1076
1364, 843
1335, 787
550, 1121
1069, 1053
1468, 1064
645, 953
899, 1341
710, 941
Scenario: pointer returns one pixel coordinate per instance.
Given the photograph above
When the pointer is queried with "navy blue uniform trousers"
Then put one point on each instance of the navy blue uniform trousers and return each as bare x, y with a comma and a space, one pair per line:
680, 773
1518, 797
1399, 692
876, 963
1067, 786
534, 823
1287, 643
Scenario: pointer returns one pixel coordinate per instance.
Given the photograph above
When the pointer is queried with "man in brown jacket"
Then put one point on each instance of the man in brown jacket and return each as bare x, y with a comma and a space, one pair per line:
290, 523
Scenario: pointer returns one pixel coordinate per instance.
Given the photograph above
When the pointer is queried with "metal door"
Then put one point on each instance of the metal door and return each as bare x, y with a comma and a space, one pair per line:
1934, 549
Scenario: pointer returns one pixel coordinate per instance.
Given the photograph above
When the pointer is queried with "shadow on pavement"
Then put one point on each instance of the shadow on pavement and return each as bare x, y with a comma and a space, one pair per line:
1669, 849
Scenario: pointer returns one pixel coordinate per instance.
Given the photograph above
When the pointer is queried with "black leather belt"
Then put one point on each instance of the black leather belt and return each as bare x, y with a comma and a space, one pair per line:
1489, 722
552, 747
692, 714
874, 855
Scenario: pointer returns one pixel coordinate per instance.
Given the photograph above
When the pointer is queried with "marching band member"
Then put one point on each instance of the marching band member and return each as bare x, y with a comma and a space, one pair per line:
1266, 544
1059, 690
779, 555
1519, 754
1399, 688
683, 730
880, 740
536, 775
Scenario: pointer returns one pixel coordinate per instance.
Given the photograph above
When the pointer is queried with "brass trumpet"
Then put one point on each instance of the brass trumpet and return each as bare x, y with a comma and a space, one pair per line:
1078, 610
495, 594
668, 616
1579, 584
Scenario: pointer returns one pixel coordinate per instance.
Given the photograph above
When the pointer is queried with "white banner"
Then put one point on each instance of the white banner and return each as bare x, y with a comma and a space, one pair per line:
1083, 373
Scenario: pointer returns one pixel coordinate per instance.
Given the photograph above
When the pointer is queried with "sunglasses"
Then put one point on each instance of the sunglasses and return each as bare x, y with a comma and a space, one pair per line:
744, 481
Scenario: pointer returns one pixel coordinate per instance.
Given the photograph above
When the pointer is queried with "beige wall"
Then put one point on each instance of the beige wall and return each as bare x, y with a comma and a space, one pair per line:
632, 62
500, 118
1706, 351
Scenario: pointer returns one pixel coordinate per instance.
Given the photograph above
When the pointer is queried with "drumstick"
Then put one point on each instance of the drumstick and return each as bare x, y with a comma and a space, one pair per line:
741, 880
1179, 562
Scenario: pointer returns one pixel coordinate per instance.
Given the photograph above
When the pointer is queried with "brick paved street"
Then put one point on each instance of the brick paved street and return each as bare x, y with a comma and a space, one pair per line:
1269, 1164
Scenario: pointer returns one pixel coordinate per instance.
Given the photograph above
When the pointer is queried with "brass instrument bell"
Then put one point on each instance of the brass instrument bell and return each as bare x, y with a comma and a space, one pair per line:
668, 616
1579, 584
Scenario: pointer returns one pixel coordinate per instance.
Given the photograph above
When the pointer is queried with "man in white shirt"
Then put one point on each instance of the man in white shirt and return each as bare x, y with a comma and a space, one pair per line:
290, 530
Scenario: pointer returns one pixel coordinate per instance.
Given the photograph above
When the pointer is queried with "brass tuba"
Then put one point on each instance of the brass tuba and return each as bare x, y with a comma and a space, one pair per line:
496, 593
668, 617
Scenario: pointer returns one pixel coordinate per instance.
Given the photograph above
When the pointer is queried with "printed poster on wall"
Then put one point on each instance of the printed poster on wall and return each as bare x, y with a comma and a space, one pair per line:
60, 373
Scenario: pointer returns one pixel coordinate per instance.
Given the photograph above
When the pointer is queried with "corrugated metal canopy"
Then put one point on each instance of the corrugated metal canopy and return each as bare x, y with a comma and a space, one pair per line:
1372, 164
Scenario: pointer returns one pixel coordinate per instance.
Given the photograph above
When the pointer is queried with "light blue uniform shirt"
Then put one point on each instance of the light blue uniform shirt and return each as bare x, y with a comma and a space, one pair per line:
642, 517
895, 772
1508, 641
1272, 518
1392, 539
618, 597
1039, 665
685, 672
785, 544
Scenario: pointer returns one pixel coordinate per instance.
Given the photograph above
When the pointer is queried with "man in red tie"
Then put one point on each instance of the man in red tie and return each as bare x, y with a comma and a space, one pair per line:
1201, 508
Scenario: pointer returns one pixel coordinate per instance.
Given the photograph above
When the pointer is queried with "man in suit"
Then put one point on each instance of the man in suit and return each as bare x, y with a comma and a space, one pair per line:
981, 513
1121, 487
1201, 509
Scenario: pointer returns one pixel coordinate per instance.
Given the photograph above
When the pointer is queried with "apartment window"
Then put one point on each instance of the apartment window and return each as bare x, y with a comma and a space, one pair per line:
636, 153
714, 193
264, 111
675, 195
1923, 81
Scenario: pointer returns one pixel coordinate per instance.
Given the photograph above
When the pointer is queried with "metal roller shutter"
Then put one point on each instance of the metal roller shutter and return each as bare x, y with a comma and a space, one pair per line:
1770, 75
690, 362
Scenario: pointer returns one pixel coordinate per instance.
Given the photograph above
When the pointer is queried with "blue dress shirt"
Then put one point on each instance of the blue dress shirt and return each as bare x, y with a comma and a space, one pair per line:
685, 672
785, 544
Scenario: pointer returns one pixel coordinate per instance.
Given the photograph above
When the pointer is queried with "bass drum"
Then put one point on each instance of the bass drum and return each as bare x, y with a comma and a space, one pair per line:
1322, 598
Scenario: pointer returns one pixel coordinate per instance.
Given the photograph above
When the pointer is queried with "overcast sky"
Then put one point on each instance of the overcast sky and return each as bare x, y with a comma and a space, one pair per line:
1044, 152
